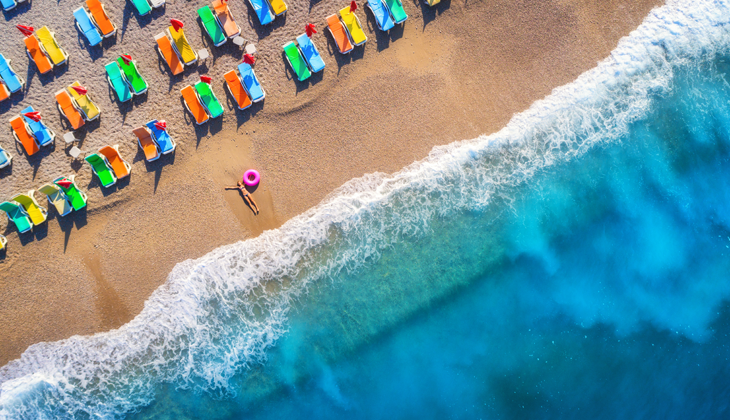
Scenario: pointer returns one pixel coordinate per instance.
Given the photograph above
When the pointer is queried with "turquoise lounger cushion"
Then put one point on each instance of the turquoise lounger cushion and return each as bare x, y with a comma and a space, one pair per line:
38, 128
3, 157
309, 50
17, 215
162, 137
261, 7
250, 82
142, 6
396, 10
210, 23
121, 88
9, 4
87, 27
12, 81
385, 23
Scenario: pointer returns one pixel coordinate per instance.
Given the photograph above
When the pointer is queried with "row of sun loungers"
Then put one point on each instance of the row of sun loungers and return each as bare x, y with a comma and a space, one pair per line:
43, 49
201, 102
25, 212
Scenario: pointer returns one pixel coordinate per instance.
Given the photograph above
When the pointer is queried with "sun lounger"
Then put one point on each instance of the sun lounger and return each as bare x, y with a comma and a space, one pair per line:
182, 47
164, 48
35, 52
296, 61
147, 144
212, 27
23, 136
135, 80
396, 11
17, 215
380, 12
353, 26
162, 138
338, 30
278, 6
5, 158
12, 81
37, 213
4, 92
251, 82
209, 100
77, 197
310, 53
40, 131
223, 13
120, 167
87, 107
235, 88
9, 4
48, 39
262, 11
142, 6
84, 24
57, 198
101, 168
68, 109
118, 82
193, 104
101, 18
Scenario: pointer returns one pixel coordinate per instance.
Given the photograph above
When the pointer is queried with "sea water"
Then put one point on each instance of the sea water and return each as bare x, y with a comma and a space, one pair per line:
573, 265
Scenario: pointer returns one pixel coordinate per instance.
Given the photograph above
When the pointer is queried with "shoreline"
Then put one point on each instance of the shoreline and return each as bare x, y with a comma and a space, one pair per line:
377, 110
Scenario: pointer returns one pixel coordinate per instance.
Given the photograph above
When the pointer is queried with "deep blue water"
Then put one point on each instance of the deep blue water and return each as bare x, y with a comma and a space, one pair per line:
573, 265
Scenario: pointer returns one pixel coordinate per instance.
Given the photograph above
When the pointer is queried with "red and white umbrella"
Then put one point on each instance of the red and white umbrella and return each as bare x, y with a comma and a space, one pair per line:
310, 29
249, 59
26, 30
127, 58
35, 115
176, 24
80, 90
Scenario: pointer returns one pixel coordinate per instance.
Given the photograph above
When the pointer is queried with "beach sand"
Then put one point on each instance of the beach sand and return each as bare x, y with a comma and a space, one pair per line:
452, 72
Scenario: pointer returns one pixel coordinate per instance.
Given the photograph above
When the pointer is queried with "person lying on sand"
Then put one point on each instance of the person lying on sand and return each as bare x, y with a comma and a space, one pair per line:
246, 196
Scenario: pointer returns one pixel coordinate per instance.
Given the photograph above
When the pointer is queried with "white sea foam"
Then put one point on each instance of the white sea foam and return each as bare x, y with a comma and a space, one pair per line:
218, 314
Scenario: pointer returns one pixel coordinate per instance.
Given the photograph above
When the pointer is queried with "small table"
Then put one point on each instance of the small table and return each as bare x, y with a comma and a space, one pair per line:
238, 40
69, 138
203, 54
74, 152
250, 49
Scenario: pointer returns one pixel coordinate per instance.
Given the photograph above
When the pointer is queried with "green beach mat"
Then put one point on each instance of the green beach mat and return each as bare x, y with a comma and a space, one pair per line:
22, 222
215, 32
297, 61
142, 6
76, 197
135, 79
396, 9
209, 100
117, 81
102, 170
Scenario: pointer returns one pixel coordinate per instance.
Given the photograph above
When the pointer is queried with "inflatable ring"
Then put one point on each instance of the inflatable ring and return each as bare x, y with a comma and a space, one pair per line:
251, 178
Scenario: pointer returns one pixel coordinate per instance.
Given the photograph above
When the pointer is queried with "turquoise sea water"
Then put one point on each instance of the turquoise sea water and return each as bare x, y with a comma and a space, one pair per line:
573, 265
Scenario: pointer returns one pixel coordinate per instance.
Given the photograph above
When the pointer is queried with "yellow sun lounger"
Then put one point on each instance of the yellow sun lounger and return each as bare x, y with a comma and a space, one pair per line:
353, 26
87, 107
36, 213
54, 51
182, 46
278, 6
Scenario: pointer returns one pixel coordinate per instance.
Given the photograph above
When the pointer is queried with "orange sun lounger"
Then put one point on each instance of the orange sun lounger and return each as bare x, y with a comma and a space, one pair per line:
223, 13
192, 103
22, 136
4, 92
236, 89
147, 144
164, 47
67, 108
119, 166
36, 53
101, 18
339, 33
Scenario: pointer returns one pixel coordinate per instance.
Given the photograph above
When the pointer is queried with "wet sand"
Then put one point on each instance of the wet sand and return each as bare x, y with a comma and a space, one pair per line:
452, 72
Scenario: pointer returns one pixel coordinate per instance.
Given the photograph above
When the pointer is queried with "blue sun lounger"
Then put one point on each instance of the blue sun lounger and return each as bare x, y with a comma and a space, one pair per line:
40, 131
162, 138
9, 4
5, 158
261, 7
251, 82
309, 50
11, 79
382, 17
83, 22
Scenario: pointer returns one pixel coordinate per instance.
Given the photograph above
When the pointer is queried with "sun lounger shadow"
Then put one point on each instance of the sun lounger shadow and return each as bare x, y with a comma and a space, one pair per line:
263, 30
66, 224
35, 160
382, 38
430, 13
312, 3
334, 51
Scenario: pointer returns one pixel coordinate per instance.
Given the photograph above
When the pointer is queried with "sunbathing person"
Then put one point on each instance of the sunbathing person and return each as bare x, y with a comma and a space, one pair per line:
246, 196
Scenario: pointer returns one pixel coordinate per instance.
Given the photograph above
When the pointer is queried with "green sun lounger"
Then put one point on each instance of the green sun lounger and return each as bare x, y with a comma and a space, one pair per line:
73, 193
137, 83
396, 10
17, 215
296, 61
209, 100
101, 168
117, 82
212, 27
142, 6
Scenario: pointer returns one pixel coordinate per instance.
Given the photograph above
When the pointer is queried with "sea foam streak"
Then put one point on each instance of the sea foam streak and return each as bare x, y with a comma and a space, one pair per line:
220, 313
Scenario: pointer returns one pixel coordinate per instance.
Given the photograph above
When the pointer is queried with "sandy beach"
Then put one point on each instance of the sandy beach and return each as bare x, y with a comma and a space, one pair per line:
451, 72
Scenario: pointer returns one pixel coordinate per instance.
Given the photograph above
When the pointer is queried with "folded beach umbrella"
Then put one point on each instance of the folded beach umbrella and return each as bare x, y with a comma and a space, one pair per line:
310, 29
26, 30
127, 58
206, 79
80, 89
35, 115
249, 59
162, 125
65, 183
176, 24
353, 6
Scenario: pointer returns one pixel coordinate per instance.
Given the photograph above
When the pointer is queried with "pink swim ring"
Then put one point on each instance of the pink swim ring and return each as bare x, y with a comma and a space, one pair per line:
251, 178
